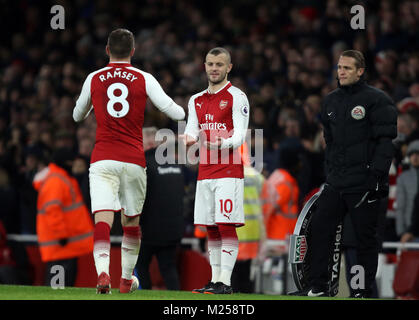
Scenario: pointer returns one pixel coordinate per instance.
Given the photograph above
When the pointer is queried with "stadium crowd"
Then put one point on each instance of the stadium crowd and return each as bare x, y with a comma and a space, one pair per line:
284, 55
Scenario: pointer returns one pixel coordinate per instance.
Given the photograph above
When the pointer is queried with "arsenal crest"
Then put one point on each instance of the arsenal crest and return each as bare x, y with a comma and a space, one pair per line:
223, 104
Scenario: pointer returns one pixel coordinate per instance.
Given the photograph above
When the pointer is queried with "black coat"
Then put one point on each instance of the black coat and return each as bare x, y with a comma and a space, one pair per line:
162, 221
359, 123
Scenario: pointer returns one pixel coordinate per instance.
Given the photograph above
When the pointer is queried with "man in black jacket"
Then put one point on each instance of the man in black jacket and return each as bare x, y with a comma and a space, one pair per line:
162, 222
359, 123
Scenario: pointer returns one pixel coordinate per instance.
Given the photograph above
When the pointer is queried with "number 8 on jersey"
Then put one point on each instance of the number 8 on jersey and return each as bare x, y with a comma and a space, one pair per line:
113, 99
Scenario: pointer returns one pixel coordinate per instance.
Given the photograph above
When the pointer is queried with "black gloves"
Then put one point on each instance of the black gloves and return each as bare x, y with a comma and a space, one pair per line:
377, 188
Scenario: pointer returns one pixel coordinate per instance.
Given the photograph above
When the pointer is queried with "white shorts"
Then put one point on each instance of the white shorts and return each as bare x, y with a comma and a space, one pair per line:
116, 185
219, 201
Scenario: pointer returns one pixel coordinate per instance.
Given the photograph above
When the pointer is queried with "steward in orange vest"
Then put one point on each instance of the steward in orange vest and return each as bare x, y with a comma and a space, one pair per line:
63, 223
280, 196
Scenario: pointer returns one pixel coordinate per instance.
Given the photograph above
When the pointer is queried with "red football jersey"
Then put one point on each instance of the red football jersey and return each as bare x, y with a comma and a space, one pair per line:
225, 114
118, 94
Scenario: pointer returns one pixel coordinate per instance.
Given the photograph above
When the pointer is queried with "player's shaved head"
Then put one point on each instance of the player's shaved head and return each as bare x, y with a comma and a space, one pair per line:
121, 43
220, 50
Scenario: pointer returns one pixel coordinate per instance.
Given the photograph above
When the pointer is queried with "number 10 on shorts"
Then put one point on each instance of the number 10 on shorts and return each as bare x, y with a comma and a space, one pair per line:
226, 206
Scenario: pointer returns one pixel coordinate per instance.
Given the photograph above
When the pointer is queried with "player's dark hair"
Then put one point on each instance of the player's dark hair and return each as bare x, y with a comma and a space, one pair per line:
357, 55
120, 43
219, 50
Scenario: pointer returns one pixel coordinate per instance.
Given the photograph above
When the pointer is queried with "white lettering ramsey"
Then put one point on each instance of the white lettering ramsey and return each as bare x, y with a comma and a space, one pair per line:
118, 74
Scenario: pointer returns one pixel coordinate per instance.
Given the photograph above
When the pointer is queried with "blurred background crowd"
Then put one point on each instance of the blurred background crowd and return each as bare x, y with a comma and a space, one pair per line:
284, 56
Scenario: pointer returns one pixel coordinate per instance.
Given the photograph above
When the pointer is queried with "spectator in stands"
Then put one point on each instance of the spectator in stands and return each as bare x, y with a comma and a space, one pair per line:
8, 200
407, 188
407, 127
8, 271
412, 233
390, 233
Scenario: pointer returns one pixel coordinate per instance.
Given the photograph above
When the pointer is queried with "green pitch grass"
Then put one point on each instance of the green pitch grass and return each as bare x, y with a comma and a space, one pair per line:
9, 292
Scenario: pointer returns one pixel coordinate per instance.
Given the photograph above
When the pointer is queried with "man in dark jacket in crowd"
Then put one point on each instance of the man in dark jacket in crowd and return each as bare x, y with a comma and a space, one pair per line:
161, 221
359, 123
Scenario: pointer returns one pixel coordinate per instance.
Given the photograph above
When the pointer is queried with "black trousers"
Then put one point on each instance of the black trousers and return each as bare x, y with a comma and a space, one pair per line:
166, 258
351, 260
240, 278
332, 207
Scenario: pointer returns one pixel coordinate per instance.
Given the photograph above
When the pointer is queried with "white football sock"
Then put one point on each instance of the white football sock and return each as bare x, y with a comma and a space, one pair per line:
229, 251
101, 247
130, 248
214, 254
101, 255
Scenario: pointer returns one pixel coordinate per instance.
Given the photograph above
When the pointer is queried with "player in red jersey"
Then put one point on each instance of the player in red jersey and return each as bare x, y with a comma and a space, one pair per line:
118, 94
219, 117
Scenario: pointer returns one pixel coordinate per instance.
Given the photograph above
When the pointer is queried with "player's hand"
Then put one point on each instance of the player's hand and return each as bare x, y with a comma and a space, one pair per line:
214, 145
187, 139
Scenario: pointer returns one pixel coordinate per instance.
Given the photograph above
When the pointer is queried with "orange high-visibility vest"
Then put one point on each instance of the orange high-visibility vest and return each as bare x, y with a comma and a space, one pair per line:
61, 214
280, 204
